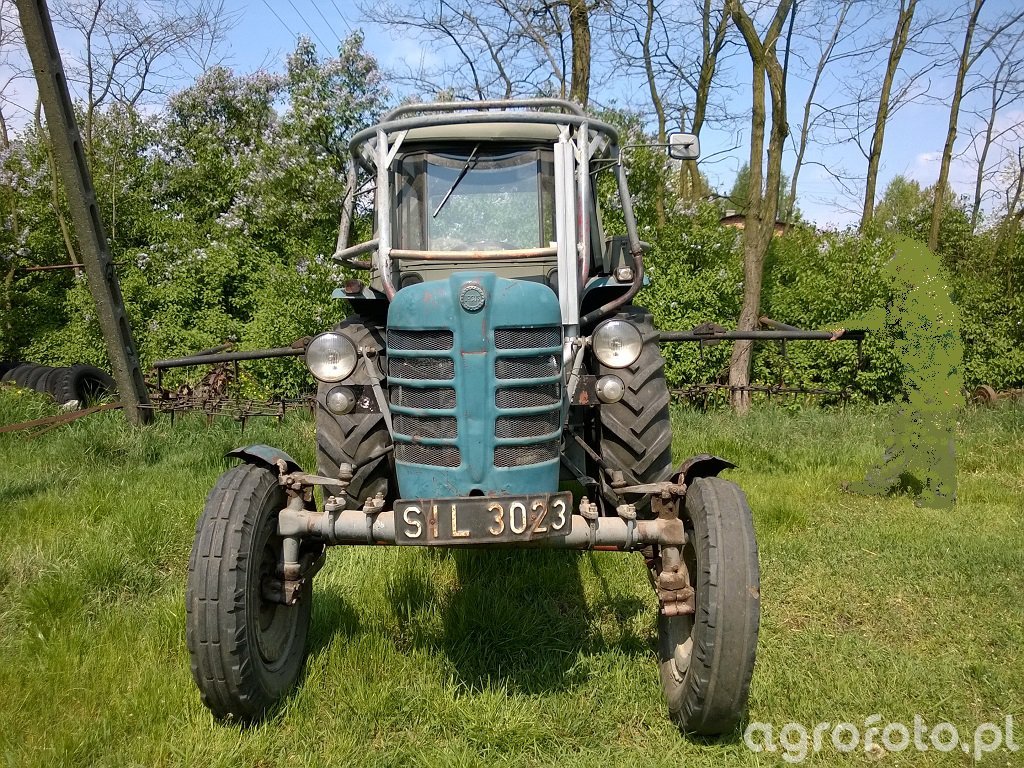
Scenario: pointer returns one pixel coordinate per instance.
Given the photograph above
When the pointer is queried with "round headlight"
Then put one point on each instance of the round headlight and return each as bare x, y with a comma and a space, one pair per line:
331, 356
617, 343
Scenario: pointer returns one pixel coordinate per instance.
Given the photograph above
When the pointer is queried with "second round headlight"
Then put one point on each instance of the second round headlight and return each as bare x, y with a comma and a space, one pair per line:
617, 343
331, 356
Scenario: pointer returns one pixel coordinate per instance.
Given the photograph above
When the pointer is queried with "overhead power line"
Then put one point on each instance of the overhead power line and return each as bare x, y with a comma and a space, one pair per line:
309, 26
271, 9
316, 7
342, 17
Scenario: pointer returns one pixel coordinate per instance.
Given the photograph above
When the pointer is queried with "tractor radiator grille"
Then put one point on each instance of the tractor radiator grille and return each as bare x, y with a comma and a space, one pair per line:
442, 368
431, 341
417, 362
427, 426
528, 397
524, 455
527, 386
411, 397
530, 360
527, 367
527, 338
431, 455
528, 426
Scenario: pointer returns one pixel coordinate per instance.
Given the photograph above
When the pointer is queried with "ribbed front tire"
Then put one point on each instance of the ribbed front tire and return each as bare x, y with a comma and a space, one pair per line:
247, 652
707, 658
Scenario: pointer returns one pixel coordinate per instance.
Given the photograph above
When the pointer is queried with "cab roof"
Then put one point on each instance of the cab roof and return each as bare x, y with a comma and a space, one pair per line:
519, 120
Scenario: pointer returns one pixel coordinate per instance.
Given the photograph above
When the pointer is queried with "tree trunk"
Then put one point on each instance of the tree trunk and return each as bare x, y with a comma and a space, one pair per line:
954, 117
763, 192
899, 44
986, 145
13, 265
659, 108
62, 223
579, 27
711, 46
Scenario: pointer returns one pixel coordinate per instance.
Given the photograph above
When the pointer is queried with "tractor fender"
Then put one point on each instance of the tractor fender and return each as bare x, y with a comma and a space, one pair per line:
265, 456
701, 465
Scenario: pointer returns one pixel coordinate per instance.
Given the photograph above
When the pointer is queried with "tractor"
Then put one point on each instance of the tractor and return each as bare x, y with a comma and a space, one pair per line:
494, 385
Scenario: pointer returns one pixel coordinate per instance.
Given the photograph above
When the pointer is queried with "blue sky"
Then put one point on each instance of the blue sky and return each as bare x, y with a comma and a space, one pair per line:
266, 31
914, 138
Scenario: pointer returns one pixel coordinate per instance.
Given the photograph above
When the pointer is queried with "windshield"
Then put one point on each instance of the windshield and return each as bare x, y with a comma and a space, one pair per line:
476, 201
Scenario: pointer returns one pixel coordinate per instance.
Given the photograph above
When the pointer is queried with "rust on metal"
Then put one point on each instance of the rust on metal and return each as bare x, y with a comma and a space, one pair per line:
38, 427
989, 395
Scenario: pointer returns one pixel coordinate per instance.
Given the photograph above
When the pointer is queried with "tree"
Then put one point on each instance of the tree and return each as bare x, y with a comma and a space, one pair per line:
763, 195
579, 30
496, 48
1005, 88
635, 36
11, 45
677, 68
738, 199
969, 55
827, 52
714, 26
900, 37
131, 50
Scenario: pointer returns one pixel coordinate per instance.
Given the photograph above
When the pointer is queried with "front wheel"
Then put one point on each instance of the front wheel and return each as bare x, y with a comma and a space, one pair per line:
247, 651
707, 657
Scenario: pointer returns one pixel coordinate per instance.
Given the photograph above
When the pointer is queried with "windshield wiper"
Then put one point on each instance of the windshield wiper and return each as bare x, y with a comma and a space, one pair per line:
458, 179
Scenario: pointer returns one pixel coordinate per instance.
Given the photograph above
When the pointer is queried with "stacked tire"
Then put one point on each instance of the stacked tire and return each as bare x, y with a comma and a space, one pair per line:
79, 384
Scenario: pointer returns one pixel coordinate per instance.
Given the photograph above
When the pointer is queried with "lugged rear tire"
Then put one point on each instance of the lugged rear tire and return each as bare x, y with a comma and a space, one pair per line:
717, 645
247, 652
636, 432
352, 438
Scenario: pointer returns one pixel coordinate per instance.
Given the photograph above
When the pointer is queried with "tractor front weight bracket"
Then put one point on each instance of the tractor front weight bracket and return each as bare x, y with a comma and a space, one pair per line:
373, 524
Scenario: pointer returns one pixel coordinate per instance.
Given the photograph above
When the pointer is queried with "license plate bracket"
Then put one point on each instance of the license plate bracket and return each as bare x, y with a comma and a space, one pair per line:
482, 520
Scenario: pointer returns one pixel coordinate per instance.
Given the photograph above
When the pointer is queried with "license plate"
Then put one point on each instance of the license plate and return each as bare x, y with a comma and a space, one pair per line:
482, 519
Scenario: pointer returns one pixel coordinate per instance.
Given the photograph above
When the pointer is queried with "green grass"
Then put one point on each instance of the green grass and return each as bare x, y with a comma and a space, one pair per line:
438, 658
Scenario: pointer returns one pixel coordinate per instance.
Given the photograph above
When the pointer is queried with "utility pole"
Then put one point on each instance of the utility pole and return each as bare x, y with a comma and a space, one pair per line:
85, 215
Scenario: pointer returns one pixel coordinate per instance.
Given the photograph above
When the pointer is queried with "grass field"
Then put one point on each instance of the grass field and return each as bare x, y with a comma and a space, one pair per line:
519, 658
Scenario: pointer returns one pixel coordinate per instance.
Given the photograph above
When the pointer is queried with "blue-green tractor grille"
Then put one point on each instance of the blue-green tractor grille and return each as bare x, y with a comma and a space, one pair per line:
528, 427
439, 340
526, 410
526, 338
426, 426
432, 398
430, 455
429, 366
438, 368
529, 397
477, 391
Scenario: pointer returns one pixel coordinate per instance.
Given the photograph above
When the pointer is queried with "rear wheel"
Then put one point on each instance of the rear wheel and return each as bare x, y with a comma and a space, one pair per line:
247, 650
707, 657
359, 439
636, 433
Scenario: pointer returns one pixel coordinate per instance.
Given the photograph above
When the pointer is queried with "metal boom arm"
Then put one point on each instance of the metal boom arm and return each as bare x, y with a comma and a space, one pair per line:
70, 161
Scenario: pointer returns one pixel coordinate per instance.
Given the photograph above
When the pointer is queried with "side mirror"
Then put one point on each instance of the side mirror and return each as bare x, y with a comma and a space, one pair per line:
683, 146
